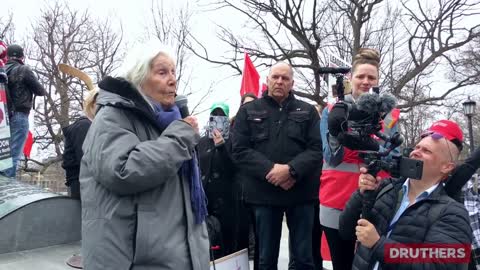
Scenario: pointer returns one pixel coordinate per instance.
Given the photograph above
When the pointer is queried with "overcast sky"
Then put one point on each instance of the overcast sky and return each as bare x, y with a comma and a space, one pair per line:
135, 15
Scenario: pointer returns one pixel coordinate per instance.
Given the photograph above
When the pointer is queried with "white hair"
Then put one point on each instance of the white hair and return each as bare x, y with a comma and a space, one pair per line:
138, 62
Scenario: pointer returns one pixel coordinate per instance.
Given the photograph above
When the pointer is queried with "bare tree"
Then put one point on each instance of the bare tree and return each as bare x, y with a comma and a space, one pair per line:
291, 31
172, 27
466, 64
414, 38
7, 29
419, 118
434, 34
414, 122
63, 35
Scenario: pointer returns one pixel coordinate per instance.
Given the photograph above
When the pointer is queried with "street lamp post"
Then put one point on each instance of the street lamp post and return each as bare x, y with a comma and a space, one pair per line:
469, 107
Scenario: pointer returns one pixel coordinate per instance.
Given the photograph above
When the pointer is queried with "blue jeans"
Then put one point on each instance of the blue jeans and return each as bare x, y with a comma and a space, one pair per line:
268, 226
18, 134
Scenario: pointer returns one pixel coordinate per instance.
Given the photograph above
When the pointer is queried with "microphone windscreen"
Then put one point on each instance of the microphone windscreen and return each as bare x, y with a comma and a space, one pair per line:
182, 104
388, 102
368, 102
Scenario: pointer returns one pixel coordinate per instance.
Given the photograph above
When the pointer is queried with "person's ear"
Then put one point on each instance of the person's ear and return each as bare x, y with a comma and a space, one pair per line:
448, 168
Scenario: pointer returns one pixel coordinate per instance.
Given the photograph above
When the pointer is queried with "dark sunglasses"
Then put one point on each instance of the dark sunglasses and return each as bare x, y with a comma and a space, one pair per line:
438, 136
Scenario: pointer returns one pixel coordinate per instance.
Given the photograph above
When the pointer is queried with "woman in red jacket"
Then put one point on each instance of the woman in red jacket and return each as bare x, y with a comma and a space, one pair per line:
341, 167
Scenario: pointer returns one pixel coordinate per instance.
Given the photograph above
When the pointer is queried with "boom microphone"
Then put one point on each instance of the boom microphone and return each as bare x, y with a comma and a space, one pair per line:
182, 104
331, 70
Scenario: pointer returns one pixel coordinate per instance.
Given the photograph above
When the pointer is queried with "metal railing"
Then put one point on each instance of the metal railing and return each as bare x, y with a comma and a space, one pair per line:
51, 184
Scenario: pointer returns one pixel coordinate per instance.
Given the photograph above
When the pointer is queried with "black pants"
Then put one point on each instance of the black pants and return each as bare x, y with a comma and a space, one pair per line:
316, 243
317, 240
74, 190
268, 229
342, 251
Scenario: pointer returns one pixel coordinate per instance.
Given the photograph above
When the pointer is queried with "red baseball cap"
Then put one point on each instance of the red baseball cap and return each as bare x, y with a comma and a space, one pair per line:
446, 129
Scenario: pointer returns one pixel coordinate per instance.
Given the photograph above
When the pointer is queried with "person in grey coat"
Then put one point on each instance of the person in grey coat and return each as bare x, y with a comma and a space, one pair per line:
143, 205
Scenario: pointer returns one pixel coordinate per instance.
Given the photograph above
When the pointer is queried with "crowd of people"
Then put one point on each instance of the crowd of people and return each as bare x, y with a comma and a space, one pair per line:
155, 194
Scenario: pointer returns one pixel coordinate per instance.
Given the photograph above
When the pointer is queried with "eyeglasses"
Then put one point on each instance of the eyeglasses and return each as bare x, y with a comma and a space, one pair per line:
438, 136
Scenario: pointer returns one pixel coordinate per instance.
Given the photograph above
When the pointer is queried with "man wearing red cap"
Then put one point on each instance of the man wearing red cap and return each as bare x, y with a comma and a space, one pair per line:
411, 211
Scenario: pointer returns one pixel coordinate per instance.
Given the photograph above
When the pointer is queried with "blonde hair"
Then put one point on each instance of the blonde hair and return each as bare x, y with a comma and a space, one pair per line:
89, 105
366, 56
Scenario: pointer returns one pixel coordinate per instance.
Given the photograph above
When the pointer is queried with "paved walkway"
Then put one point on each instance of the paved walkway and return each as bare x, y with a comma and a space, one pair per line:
283, 255
54, 257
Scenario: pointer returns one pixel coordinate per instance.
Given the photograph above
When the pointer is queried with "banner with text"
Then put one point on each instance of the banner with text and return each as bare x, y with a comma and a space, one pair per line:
5, 155
335, 61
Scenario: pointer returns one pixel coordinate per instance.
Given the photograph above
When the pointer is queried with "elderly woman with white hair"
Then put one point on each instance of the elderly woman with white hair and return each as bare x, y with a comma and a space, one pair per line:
143, 205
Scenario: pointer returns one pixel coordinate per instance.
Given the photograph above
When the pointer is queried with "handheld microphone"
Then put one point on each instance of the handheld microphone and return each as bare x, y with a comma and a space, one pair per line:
331, 70
182, 104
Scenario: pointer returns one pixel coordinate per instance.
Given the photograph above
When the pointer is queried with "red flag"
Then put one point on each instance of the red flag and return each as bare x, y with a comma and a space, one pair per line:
250, 78
263, 89
28, 145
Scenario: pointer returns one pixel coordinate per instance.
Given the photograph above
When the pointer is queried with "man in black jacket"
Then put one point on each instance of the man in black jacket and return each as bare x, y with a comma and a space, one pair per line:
277, 145
411, 211
22, 85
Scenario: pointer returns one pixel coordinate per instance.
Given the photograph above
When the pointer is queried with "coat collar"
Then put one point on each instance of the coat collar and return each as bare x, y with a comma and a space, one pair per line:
118, 92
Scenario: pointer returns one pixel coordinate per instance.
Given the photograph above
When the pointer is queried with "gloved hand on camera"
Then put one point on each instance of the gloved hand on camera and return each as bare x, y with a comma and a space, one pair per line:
354, 142
337, 119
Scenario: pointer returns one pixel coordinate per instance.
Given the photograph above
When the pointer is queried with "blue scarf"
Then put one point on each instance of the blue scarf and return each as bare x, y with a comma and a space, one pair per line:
189, 169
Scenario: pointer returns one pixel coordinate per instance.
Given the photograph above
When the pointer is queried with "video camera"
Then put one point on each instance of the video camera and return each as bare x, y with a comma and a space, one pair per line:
396, 165
365, 116
364, 120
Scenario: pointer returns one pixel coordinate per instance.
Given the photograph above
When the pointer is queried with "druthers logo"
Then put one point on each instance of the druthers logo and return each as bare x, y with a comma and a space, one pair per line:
427, 253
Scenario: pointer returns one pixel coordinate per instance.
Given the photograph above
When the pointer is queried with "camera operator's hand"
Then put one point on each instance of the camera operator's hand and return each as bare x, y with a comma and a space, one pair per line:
354, 142
337, 119
3, 76
366, 233
367, 181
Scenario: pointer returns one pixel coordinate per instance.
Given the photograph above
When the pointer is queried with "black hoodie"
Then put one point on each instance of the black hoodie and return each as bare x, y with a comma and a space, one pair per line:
72, 155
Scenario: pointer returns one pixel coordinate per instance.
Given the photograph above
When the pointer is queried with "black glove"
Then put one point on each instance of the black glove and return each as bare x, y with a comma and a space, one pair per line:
460, 176
474, 159
337, 119
3, 76
358, 143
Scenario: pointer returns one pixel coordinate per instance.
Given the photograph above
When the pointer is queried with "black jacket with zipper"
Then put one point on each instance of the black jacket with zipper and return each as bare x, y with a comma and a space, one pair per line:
266, 133
416, 225
22, 85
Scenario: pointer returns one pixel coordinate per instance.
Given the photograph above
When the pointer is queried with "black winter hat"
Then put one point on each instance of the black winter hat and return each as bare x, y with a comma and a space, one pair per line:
15, 50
